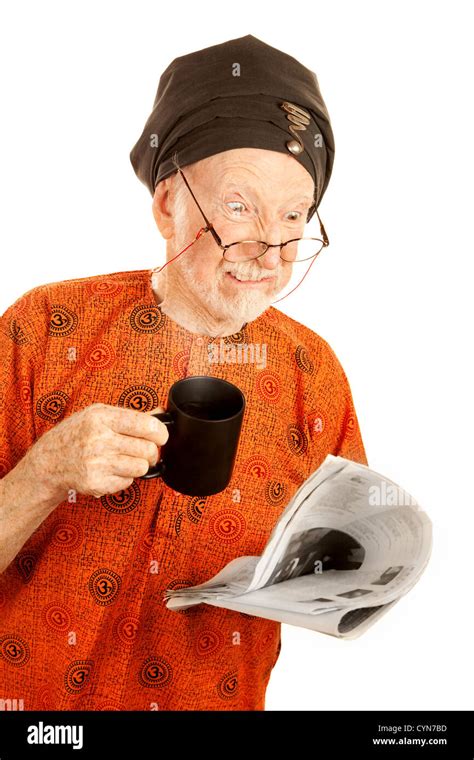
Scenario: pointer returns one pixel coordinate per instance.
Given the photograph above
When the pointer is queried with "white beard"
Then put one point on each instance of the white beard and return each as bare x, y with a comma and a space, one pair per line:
205, 306
244, 305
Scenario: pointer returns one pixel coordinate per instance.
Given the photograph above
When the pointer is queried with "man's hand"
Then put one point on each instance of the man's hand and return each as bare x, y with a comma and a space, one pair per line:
97, 451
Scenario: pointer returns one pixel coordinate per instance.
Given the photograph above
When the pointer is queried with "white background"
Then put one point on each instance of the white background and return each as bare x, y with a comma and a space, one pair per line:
391, 294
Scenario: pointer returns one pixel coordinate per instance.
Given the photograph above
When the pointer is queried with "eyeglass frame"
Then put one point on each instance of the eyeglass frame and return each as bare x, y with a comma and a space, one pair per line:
209, 228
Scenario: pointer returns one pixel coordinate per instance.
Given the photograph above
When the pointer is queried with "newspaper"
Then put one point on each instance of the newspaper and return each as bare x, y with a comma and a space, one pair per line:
347, 547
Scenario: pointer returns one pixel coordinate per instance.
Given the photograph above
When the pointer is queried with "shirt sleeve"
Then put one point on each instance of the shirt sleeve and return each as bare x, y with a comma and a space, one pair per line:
348, 438
350, 444
18, 352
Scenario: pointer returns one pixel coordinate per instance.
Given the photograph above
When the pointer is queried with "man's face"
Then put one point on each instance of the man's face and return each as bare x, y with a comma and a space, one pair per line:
247, 194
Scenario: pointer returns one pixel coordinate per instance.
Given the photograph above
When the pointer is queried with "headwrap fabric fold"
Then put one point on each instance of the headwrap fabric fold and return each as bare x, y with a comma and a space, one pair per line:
240, 93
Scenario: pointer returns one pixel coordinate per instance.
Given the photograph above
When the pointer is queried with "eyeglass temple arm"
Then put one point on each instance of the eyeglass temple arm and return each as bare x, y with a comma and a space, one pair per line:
209, 226
195, 199
323, 231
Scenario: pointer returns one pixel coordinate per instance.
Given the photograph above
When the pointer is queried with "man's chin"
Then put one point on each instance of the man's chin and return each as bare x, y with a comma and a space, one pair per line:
245, 306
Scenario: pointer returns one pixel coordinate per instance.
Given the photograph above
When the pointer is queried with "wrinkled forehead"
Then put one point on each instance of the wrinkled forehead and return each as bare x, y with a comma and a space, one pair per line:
256, 170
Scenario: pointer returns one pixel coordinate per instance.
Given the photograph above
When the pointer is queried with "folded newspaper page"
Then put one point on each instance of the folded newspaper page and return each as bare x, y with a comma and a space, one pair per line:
347, 547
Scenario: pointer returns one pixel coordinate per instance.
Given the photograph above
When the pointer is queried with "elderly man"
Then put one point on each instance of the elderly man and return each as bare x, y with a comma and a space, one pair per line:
238, 148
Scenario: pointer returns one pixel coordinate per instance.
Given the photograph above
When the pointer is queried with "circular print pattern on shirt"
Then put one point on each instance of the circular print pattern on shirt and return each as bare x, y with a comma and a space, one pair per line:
147, 319
146, 542
52, 405
77, 675
180, 363
126, 629
208, 642
196, 508
25, 564
105, 288
100, 355
155, 673
14, 650
24, 392
349, 425
297, 440
275, 492
57, 617
268, 386
115, 706
238, 337
178, 523
104, 585
66, 534
180, 583
265, 642
63, 321
228, 525
303, 360
16, 333
122, 502
257, 466
141, 398
228, 686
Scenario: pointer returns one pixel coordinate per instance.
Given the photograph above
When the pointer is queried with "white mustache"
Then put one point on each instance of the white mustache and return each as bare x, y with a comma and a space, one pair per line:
243, 274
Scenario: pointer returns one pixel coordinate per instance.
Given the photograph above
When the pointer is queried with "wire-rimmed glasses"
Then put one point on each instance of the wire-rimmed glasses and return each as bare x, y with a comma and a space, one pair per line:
296, 249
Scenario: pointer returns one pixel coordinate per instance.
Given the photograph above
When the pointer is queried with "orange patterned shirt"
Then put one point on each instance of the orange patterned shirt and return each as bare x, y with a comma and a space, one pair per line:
83, 624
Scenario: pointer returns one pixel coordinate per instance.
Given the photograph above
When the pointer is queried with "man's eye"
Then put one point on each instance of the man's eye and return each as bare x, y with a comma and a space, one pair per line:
237, 207
235, 203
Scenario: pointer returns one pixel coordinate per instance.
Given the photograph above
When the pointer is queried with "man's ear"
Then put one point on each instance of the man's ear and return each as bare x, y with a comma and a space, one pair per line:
162, 208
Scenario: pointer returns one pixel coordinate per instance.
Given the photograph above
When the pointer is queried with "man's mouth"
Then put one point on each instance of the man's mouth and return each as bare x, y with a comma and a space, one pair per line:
237, 279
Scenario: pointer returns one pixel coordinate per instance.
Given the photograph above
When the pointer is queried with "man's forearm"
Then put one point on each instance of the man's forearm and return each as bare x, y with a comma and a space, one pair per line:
25, 502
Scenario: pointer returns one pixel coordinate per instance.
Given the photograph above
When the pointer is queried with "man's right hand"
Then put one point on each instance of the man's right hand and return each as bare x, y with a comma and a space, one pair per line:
96, 451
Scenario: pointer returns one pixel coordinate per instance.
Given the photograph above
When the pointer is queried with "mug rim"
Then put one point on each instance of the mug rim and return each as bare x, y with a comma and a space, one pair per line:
207, 377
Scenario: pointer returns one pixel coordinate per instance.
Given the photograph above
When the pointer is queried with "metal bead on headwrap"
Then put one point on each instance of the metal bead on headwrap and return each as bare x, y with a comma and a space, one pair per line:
294, 147
300, 119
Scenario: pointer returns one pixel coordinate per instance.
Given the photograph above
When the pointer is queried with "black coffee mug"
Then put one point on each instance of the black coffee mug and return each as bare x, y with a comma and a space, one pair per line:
204, 415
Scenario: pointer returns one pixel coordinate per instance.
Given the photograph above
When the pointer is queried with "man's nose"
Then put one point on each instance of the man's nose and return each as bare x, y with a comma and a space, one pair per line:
273, 236
271, 258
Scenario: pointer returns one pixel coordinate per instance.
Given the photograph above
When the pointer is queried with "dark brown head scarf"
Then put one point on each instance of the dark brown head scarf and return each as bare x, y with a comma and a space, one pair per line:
239, 94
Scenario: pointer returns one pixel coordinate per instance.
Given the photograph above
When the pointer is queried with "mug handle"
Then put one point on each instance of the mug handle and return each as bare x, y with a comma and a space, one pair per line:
157, 470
